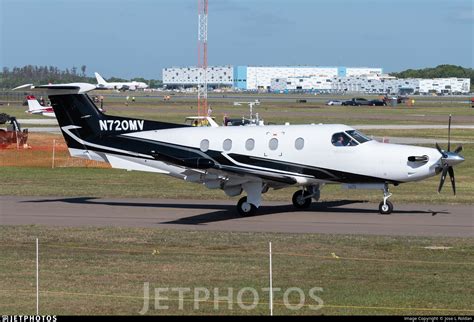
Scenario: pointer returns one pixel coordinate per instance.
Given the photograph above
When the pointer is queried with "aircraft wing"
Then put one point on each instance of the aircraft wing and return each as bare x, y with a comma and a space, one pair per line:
58, 89
263, 175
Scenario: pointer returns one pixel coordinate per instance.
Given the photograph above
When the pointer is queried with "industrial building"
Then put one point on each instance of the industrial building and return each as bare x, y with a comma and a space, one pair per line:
316, 79
376, 84
259, 78
189, 76
253, 78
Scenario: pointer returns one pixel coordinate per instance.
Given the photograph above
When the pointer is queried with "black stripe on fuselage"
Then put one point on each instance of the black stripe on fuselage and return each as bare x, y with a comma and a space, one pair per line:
273, 168
299, 169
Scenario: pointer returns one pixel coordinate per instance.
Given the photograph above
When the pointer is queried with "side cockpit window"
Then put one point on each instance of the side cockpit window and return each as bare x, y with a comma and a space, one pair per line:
342, 139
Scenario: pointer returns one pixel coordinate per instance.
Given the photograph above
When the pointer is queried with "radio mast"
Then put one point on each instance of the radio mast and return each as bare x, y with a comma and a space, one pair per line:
202, 57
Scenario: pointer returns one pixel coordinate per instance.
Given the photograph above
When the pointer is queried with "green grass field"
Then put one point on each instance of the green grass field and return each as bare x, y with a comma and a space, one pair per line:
103, 271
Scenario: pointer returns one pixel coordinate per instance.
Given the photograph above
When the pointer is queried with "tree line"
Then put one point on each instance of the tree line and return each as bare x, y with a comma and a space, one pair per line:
30, 74
441, 71
10, 78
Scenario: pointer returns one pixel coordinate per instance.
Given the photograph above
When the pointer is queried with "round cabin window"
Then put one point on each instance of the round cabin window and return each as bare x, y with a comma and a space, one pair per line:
204, 145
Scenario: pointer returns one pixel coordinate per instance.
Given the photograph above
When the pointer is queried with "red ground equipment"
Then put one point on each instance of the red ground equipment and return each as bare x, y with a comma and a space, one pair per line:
13, 133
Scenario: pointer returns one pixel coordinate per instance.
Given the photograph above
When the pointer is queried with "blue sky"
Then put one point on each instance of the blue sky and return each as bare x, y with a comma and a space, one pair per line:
140, 37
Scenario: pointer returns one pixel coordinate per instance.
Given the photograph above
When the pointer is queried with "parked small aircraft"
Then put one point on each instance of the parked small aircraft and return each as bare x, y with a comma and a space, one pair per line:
253, 159
34, 107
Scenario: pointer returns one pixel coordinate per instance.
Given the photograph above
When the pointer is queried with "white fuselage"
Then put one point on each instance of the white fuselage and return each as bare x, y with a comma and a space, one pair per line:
372, 158
129, 85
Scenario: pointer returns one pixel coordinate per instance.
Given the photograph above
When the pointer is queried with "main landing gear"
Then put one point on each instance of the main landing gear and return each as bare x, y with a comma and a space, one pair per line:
386, 207
302, 198
247, 206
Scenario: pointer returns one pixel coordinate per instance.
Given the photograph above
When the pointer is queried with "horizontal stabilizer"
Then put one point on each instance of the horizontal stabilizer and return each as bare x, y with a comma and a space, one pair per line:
58, 89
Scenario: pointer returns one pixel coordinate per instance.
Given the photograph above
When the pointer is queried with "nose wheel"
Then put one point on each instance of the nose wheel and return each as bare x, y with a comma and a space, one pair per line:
386, 207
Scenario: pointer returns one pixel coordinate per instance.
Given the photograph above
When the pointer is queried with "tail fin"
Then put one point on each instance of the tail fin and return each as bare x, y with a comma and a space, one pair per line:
34, 106
78, 118
85, 127
100, 80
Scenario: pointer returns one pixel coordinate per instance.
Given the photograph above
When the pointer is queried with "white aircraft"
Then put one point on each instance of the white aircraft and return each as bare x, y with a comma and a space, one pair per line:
253, 159
34, 107
121, 86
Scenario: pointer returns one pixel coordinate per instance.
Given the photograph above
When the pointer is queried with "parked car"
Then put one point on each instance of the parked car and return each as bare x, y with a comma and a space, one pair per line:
333, 102
377, 103
357, 101
400, 99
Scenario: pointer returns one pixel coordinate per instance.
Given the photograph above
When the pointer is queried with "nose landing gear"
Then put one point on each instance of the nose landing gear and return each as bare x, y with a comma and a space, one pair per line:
386, 207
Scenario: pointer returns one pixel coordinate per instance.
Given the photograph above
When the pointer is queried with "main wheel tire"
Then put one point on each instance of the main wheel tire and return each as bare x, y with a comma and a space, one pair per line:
245, 208
299, 199
385, 209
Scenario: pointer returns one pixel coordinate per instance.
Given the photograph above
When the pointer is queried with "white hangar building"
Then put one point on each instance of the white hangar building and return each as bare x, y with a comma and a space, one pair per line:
253, 78
372, 84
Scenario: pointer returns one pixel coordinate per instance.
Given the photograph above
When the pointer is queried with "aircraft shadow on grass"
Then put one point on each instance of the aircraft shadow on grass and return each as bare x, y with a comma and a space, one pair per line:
223, 212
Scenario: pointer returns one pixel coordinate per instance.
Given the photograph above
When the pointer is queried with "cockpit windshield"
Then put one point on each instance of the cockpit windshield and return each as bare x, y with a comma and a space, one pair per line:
361, 138
342, 139
349, 138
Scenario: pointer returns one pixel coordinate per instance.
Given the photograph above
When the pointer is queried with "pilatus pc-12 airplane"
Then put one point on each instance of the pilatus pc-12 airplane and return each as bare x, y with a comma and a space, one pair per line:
250, 159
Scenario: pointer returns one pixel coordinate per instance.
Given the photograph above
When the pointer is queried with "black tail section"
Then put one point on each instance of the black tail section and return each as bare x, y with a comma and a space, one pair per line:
77, 114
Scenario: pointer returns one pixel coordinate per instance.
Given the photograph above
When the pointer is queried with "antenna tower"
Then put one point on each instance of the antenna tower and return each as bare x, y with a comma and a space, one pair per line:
202, 57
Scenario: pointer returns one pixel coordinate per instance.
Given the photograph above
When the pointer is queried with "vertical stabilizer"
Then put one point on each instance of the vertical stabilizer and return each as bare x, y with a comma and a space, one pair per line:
100, 80
34, 106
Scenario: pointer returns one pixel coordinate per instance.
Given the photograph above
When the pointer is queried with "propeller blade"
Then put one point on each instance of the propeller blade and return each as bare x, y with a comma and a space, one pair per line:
440, 151
451, 176
438, 148
449, 134
458, 149
443, 177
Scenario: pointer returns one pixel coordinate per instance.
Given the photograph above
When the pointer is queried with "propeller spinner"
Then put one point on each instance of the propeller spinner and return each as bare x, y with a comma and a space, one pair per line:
448, 160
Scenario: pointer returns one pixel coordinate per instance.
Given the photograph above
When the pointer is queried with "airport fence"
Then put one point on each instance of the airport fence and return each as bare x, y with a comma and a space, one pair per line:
44, 151
10, 97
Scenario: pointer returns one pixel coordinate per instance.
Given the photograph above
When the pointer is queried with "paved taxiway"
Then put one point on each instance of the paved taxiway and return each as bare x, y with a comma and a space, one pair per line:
344, 217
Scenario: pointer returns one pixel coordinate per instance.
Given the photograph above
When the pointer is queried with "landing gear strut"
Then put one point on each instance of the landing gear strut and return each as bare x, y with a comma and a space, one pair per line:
386, 207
